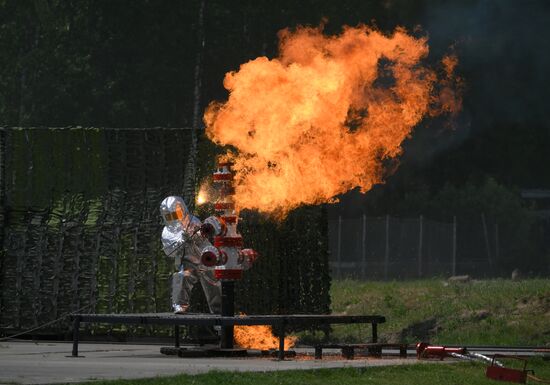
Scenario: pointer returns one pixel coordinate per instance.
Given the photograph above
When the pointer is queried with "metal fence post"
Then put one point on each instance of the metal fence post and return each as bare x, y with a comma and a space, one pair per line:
420, 246
387, 252
339, 255
497, 246
487, 246
454, 246
364, 248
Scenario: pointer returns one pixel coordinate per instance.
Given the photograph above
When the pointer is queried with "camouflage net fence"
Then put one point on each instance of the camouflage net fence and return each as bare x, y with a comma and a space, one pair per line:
81, 230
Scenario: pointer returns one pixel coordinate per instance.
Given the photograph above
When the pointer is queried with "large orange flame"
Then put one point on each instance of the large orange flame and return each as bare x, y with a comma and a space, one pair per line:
321, 118
259, 337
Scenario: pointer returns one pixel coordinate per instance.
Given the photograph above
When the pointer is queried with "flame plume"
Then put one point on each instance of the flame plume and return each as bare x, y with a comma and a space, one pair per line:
321, 118
260, 337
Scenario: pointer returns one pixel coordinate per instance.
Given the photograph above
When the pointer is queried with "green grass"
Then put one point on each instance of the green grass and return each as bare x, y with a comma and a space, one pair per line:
481, 312
491, 312
421, 374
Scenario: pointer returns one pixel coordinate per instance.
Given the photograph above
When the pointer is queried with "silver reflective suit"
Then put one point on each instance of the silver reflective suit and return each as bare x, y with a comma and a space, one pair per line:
182, 240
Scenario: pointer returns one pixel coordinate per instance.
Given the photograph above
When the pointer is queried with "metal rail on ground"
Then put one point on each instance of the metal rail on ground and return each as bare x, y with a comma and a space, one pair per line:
278, 322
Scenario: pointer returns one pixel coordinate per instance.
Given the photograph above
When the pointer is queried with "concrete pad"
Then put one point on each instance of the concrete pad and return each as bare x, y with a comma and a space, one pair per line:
51, 362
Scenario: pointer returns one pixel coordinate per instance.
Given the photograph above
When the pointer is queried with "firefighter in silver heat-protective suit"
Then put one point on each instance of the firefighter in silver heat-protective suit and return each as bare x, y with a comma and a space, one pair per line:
183, 240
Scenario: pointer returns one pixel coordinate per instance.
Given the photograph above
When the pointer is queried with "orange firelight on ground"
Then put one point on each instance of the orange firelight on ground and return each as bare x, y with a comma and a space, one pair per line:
325, 115
259, 337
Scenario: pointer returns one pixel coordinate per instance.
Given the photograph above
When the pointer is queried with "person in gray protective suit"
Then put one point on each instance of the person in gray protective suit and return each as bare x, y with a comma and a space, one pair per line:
184, 237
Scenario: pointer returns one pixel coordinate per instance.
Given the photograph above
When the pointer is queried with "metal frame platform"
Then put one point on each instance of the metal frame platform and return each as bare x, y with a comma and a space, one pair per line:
374, 349
278, 322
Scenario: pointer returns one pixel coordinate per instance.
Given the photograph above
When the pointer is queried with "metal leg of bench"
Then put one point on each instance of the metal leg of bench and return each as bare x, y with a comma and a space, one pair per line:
375, 351
318, 353
76, 335
177, 336
403, 351
374, 332
348, 352
281, 353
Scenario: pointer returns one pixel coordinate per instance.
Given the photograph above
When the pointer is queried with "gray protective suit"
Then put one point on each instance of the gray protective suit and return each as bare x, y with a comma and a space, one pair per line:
182, 240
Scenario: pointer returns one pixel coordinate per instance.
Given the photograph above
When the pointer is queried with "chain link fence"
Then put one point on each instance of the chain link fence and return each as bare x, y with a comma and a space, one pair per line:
405, 248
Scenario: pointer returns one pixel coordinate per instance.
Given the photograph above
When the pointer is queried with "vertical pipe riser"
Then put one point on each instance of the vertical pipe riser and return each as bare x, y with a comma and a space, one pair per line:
228, 310
281, 354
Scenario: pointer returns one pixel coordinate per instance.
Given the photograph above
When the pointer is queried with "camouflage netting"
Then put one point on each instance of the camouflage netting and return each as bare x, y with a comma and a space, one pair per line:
81, 230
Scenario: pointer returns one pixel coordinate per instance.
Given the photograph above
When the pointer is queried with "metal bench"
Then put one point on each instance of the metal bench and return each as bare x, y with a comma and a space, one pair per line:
279, 322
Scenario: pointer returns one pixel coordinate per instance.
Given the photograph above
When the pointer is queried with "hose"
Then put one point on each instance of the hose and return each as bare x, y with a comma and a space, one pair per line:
46, 324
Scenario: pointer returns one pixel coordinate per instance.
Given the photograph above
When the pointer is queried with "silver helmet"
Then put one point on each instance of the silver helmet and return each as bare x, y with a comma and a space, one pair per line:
174, 212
